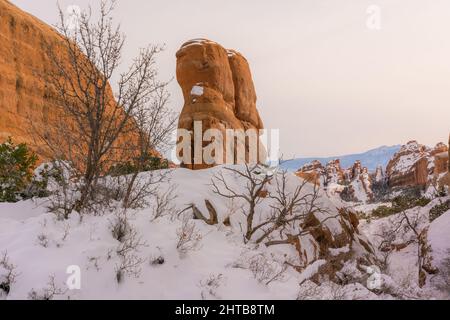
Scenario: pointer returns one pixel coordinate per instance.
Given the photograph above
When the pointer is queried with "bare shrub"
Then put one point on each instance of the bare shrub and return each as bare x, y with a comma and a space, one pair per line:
8, 273
290, 209
63, 189
120, 225
337, 292
385, 247
157, 261
158, 258
254, 180
94, 262
385, 260
129, 247
43, 240
232, 209
407, 228
291, 205
411, 224
405, 287
211, 285
66, 232
309, 291
189, 237
47, 293
130, 262
267, 271
164, 203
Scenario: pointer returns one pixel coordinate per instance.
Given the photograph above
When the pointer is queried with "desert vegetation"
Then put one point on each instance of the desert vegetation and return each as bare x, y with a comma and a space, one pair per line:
102, 141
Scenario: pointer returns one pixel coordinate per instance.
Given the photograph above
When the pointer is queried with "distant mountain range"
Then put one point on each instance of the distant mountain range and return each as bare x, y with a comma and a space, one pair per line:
370, 159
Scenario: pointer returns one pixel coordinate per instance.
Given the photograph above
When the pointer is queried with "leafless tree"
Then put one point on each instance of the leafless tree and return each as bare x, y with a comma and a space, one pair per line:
92, 129
254, 181
154, 124
291, 208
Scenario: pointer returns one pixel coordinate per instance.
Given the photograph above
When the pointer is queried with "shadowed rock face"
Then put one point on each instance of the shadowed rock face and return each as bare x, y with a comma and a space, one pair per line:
218, 89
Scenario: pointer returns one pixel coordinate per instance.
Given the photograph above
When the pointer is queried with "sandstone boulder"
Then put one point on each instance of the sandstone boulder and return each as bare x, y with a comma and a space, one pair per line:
218, 91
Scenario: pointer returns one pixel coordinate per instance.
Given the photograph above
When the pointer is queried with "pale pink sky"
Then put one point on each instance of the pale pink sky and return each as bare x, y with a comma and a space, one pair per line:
330, 84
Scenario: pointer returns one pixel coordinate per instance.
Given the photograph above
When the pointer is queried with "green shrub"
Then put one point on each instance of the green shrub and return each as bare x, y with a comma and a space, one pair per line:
400, 204
16, 170
439, 210
150, 163
383, 211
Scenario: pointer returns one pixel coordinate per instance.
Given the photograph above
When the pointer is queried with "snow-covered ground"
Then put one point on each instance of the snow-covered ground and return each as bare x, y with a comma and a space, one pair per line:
402, 263
217, 266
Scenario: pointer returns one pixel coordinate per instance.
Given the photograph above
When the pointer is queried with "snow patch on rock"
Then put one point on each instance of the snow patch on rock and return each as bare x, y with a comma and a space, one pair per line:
197, 91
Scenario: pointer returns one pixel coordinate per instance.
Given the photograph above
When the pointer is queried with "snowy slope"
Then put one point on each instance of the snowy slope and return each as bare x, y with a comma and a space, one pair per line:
42, 247
221, 266
402, 266
370, 159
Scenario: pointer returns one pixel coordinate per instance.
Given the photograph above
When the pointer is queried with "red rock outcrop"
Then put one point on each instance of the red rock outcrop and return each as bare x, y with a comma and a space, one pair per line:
22, 61
218, 90
311, 172
24, 95
416, 164
353, 184
361, 182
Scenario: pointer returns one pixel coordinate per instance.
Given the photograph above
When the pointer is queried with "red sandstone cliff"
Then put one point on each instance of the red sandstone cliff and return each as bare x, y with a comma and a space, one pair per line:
24, 95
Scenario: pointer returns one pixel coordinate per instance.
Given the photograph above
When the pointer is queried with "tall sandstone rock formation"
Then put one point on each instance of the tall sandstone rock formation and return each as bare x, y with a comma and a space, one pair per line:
24, 95
218, 90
